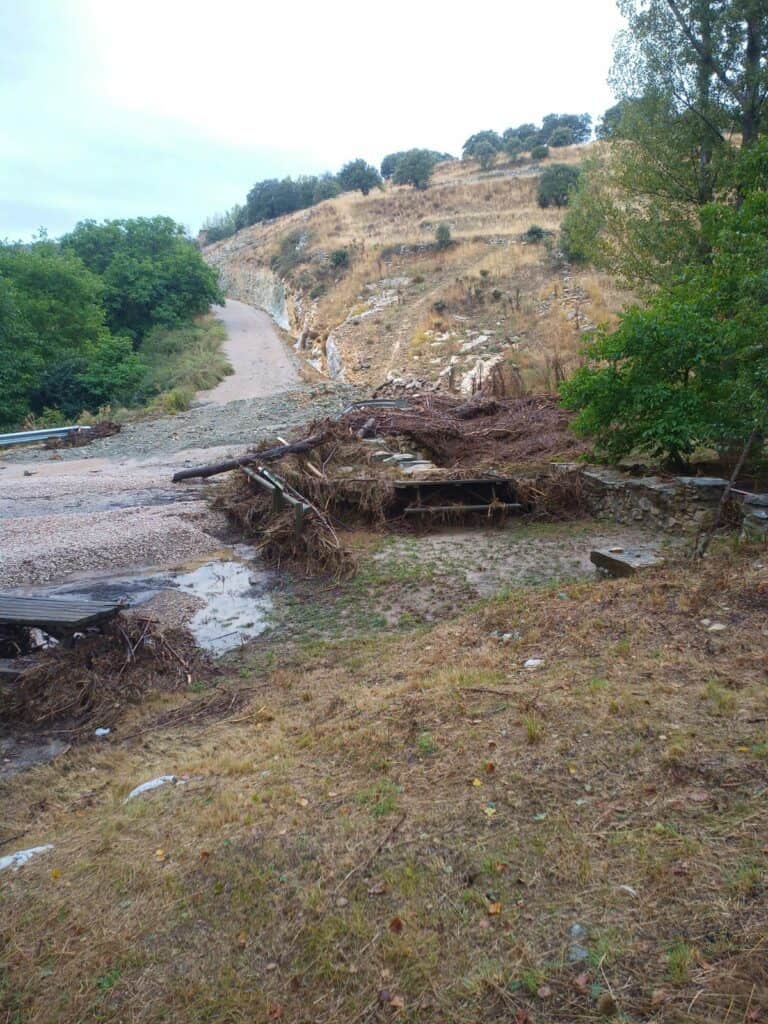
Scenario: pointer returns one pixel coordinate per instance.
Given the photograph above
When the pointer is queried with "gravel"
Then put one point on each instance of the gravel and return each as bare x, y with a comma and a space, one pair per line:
111, 505
210, 425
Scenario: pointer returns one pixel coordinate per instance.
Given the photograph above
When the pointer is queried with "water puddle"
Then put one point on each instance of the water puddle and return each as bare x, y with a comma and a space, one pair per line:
231, 595
237, 605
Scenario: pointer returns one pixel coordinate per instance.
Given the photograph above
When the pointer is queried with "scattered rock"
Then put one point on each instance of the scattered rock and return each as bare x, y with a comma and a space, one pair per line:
145, 787
21, 857
627, 563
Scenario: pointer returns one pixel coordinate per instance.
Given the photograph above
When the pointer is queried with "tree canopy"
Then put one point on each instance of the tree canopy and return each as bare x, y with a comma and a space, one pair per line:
690, 369
415, 168
357, 175
150, 272
73, 314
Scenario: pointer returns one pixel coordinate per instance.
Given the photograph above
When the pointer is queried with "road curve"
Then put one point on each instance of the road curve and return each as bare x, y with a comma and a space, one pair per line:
262, 362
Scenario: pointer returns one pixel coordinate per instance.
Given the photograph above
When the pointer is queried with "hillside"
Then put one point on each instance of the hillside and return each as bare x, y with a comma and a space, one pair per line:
362, 284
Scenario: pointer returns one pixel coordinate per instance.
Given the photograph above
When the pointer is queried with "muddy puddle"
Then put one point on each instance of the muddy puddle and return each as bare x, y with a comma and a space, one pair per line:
224, 599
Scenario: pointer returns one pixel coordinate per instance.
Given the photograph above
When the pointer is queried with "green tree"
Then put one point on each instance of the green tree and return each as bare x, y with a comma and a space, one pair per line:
485, 154
579, 126
151, 273
357, 175
692, 85
561, 137
55, 347
414, 168
691, 369
556, 185
443, 236
481, 140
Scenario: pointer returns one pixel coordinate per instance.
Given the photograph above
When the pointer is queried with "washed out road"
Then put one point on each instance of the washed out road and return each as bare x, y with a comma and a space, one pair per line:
111, 505
261, 361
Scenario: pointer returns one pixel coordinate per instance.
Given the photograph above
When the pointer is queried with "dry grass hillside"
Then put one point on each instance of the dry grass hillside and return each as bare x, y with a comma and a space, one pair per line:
404, 307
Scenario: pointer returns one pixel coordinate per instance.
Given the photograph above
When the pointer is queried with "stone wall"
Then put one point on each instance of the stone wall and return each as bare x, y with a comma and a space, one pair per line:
684, 504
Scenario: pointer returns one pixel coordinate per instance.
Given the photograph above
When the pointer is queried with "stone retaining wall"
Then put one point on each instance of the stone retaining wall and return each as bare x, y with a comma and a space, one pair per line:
684, 504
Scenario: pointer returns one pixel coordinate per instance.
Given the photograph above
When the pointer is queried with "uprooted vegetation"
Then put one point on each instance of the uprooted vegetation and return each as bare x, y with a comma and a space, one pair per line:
489, 451
70, 688
420, 829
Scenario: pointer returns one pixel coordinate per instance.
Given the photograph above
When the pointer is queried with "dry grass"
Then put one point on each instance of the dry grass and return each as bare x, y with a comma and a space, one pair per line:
408, 829
391, 235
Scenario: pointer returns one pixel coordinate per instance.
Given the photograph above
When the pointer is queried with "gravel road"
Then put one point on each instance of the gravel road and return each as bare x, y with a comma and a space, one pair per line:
111, 505
262, 363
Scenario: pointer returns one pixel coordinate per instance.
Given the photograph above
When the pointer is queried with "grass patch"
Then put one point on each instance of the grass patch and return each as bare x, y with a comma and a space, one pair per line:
186, 359
319, 862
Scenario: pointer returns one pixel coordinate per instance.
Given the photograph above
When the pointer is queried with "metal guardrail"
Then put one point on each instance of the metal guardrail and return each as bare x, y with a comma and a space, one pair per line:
33, 436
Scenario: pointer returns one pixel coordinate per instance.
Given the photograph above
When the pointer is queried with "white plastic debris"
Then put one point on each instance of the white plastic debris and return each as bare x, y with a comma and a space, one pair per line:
533, 663
18, 860
102, 732
145, 787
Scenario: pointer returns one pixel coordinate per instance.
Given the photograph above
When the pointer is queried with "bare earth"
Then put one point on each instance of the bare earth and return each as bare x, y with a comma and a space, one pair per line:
261, 361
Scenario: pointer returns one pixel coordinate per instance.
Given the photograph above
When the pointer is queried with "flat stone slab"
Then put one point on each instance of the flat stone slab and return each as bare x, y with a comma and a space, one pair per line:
624, 561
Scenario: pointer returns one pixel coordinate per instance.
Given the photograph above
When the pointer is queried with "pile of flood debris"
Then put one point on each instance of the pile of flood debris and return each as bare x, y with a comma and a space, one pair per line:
94, 678
429, 460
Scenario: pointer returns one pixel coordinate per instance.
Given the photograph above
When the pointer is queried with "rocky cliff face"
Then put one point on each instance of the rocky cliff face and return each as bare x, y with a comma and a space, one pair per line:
243, 279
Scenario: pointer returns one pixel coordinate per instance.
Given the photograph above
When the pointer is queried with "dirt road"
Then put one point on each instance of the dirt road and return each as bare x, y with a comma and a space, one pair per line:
261, 361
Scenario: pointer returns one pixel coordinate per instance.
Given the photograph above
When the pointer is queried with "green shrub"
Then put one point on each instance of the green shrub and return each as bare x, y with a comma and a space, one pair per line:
340, 258
556, 184
534, 234
443, 236
539, 152
176, 400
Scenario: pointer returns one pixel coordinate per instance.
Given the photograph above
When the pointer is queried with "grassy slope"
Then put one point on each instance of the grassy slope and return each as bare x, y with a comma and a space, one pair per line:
406, 827
489, 282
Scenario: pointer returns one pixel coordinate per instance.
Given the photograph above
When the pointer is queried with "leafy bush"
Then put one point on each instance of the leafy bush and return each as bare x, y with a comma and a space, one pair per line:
340, 258
55, 347
481, 139
534, 234
556, 184
689, 370
539, 152
443, 236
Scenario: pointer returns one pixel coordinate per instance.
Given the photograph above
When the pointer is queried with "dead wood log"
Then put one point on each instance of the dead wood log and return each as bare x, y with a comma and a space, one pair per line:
268, 455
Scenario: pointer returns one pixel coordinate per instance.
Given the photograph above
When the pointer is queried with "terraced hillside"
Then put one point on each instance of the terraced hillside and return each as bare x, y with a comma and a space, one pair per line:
365, 288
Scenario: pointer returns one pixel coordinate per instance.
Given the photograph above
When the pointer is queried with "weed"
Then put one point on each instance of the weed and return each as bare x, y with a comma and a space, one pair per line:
534, 728
425, 745
680, 959
722, 701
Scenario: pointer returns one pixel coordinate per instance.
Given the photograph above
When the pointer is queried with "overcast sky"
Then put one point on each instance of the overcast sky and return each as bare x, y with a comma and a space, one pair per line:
117, 109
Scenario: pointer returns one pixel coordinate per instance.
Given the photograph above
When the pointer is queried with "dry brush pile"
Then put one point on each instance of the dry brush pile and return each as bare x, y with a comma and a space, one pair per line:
339, 477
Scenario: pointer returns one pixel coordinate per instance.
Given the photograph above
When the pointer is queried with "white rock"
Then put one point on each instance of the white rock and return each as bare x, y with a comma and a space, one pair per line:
22, 857
716, 627
533, 663
145, 787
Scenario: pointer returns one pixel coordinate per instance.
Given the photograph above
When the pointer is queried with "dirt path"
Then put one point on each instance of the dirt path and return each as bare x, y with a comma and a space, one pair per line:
261, 361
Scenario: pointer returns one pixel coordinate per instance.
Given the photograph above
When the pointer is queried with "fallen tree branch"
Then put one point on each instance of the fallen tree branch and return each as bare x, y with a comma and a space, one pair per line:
268, 455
